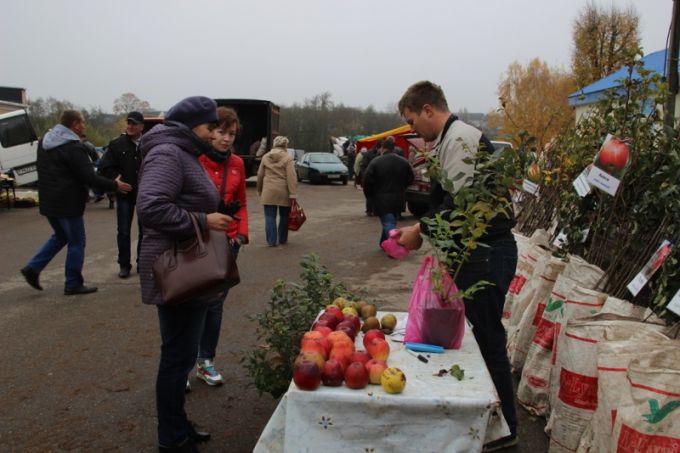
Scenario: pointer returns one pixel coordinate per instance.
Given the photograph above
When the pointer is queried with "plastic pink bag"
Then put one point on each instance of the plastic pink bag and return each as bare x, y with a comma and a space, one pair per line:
434, 318
392, 247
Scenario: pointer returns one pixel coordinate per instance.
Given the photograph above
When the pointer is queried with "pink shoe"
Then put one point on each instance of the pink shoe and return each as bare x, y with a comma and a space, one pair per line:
392, 247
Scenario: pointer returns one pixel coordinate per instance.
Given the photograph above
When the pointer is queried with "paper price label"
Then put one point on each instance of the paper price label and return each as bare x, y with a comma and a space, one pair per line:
603, 180
653, 264
674, 304
637, 284
581, 184
530, 187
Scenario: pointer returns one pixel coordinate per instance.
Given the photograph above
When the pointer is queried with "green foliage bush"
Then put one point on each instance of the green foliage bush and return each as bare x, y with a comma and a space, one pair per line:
290, 313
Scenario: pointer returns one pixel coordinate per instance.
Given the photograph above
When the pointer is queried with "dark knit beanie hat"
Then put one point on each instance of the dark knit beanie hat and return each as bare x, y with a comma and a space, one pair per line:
193, 111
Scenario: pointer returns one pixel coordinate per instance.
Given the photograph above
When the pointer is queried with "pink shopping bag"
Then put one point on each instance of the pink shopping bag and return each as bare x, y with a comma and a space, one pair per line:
392, 247
434, 317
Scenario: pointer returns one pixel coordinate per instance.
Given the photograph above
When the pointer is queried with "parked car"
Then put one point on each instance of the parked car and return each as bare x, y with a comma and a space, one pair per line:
418, 193
321, 167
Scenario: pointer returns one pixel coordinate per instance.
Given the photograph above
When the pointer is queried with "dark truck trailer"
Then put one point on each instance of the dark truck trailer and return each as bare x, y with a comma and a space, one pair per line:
259, 121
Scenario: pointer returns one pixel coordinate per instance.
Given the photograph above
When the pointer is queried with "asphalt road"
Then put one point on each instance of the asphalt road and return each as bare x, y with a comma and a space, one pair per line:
78, 372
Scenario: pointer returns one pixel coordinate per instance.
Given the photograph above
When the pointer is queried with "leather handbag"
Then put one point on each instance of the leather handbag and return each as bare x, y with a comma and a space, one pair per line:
200, 267
296, 216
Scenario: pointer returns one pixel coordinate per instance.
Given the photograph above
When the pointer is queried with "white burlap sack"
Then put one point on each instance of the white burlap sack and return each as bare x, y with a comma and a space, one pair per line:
587, 275
540, 237
648, 417
566, 300
529, 265
613, 356
580, 303
624, 308
532, 314
577, 396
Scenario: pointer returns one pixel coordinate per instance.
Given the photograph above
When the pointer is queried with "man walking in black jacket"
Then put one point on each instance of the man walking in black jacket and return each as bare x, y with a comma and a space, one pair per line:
64, 176
385, 183
122, 159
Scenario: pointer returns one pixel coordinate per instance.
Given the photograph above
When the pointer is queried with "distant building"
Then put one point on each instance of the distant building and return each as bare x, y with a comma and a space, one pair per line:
585, 99
12, 99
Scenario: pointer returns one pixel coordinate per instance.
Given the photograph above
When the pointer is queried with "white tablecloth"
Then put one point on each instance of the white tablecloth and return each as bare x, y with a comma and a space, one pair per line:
432, 414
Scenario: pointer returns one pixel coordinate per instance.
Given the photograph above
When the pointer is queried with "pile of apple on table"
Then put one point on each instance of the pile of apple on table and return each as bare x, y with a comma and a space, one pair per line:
328, 353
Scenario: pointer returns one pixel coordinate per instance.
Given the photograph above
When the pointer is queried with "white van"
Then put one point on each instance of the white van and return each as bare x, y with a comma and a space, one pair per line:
18, 147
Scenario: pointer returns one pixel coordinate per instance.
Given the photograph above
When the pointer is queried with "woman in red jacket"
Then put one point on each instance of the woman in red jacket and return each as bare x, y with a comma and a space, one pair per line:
228, 173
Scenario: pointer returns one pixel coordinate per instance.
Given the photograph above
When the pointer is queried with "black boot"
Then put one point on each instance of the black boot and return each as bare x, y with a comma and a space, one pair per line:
186, 446
197, 436
32, 277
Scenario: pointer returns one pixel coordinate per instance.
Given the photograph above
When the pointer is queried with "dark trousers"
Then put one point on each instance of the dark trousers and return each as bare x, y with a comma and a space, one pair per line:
273, 233
213, 323
369, 206
125, 211
70, 232
484, 311
180, 334
388, 222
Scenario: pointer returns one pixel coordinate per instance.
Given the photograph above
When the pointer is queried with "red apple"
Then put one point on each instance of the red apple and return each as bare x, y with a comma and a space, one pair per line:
534, 173
330, 317
312, 334
322, 323
375, 369
360, 356
355, 321
306, 375
336, 311
349, 330
341, 357
373, 333
322, 345
333, 373
356, 376
378, 348
325, 330
310, 356
339, 336
614, 155
347, 323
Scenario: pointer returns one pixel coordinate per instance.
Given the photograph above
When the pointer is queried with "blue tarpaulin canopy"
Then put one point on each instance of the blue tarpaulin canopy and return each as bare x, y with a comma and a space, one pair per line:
596, 91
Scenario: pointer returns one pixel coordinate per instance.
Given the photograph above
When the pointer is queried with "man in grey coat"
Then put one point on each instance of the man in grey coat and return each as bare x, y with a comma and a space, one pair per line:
65, 174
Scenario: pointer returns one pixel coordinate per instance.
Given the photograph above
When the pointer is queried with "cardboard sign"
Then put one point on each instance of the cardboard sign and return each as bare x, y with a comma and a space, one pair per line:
674, 304
609, 165
653, 264
581, 183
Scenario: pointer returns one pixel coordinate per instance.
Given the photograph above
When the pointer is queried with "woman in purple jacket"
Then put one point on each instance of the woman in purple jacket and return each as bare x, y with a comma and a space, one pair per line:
172, 185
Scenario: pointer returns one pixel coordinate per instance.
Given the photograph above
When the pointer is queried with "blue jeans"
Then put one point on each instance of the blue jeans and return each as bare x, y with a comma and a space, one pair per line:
69, 231
270, 229
484, 310
125, 211
180, 333
389, 222
213, 323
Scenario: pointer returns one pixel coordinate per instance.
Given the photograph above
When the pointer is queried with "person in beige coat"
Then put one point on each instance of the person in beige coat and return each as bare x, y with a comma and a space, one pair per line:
276, 186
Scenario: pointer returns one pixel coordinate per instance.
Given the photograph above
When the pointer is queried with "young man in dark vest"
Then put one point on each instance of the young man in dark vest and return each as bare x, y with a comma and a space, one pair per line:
425, 109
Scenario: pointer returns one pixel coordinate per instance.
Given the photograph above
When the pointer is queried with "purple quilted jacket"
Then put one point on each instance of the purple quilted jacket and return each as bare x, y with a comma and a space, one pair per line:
172, 183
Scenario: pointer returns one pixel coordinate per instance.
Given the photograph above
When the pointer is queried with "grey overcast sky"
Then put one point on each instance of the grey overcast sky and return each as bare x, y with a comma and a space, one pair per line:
365, 52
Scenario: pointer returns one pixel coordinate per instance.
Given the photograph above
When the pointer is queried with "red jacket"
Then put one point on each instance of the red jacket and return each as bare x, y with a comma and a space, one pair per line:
235, 190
